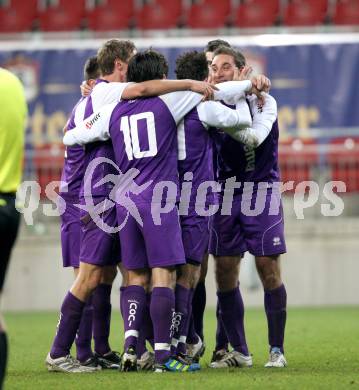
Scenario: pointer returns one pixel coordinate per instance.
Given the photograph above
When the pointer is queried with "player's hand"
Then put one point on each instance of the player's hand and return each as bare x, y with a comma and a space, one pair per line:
206, 89
261, 82
243, 74
85, 89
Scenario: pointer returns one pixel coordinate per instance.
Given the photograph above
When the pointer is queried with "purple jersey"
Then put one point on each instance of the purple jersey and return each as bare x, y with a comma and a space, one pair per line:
246, 163
195, 153
73, 170
103, 93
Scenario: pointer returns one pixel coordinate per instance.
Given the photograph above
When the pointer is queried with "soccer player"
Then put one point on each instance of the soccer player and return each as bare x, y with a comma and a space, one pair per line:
144, 134
13, 114
196, 344
195, 169
97, 306
99, 251
253, 162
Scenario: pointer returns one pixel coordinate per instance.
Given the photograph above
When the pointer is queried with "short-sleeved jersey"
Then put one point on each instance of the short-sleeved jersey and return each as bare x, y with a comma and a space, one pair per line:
144, 137
102, 94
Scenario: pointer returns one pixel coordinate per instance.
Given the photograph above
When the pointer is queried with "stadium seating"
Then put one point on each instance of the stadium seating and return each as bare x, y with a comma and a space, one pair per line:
346, 12
18, 16
305, 12
257, 13
343, 159
111, 15
48, 162
208, 14
296, 158
65, 15
157, 14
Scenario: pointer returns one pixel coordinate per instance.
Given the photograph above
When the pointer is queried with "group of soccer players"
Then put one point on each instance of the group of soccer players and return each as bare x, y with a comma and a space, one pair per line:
153, 156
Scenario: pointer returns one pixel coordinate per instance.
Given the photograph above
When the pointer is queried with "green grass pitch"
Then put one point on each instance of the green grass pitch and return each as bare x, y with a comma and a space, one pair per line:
322, 349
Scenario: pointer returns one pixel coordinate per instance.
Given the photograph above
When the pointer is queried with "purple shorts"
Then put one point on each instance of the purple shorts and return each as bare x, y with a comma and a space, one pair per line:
98, 246
145, 244
255, 225
195, 236
70, 235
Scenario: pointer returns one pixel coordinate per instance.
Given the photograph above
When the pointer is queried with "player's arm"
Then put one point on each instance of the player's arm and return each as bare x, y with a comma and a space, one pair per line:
215, 114
161, 87
263, 120
94, 128
233, 90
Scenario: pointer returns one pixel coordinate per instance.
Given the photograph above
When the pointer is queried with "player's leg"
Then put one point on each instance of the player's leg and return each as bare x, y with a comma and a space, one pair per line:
70, 317
221, 347
275, 304
9, 225
134, 308
227, 246
265, 240
102, 308
165, 252
70, 246
133, 296
187, 280
200, 298
84, 334
195, 237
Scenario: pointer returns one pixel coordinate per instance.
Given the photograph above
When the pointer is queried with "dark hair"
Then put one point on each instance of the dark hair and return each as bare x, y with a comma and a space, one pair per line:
192, 65
113, 50
238, 57
147, 65
91, 69
215, 44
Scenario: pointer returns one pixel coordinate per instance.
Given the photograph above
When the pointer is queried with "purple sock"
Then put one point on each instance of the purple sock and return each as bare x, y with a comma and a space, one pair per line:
232, 310
182, 296
162, 310
148, 326
221, 336
134, 304
122, 290
192, 337
84, 333
275, 304
101, 302
199, 305
70, 318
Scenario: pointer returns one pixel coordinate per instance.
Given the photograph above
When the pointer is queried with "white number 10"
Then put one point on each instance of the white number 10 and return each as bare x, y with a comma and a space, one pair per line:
129, 127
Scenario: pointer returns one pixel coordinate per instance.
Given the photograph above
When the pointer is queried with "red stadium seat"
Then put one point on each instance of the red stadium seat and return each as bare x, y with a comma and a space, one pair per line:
63, 16
111, 15
48, 162
18, 16
296, 159
159, 14
209, 14
305, 12
257, 13
346, 12
343, 159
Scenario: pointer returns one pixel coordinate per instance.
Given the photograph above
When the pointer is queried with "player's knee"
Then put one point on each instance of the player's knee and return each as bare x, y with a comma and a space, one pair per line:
204, 269
139, 278
226, 274
109, 274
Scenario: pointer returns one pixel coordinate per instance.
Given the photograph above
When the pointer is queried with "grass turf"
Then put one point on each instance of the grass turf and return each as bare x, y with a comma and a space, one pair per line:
322, 349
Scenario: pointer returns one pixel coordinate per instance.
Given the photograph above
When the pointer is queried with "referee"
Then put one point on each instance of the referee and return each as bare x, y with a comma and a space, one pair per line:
13, 113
